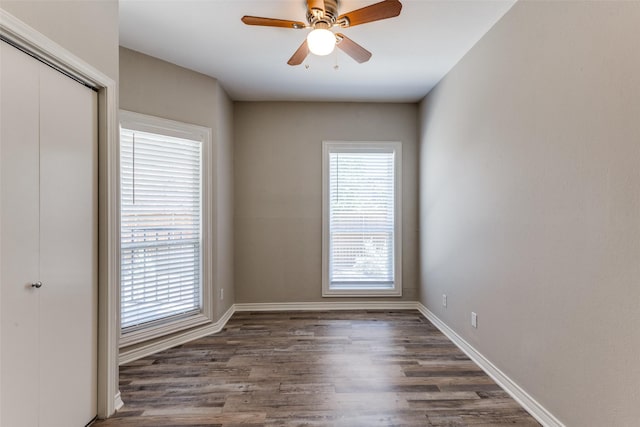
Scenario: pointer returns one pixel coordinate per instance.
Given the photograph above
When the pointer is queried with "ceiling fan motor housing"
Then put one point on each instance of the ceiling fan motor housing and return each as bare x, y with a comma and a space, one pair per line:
326, 18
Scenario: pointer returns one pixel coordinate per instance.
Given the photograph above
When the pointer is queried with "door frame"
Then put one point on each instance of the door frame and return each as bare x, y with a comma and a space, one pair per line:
38, 45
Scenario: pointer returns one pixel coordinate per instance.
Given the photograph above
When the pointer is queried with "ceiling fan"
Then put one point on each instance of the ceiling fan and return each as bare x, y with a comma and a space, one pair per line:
322, 15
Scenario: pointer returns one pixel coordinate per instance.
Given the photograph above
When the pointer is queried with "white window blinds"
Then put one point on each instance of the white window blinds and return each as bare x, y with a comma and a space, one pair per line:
361, 220
161, 231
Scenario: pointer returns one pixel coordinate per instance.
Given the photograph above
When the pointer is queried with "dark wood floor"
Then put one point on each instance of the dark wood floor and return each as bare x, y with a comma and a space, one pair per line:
356, 368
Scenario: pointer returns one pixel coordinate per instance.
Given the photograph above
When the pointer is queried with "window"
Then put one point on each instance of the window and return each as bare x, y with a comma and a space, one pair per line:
362, 236
164, 216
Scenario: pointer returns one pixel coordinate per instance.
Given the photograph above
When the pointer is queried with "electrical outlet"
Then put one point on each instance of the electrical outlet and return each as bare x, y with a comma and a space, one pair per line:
444, 300
474, 319
221, 294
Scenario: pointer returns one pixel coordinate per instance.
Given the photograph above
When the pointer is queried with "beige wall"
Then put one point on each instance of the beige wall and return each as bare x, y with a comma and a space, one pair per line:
88, 29
278, 191
530, 204
155, 87
225, 246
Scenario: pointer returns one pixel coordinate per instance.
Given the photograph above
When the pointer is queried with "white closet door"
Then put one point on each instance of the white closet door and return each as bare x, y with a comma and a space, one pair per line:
19, 210
68, 251
48, 233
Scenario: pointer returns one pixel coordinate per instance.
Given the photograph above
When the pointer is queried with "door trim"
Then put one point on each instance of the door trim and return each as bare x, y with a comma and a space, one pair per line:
38, 45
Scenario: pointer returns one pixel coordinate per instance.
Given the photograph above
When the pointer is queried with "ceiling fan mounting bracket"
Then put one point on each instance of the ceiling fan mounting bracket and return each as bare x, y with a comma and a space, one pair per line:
343, 22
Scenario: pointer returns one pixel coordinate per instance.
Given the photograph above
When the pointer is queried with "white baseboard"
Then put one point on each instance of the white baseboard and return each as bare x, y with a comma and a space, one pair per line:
519, 395
147, 350
117, 401
325, 306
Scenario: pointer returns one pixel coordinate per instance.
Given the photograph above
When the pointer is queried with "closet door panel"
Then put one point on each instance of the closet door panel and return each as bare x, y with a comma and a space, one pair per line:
68, 250
19, 211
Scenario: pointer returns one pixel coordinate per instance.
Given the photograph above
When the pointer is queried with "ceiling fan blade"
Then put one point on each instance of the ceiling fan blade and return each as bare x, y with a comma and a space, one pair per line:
270, 22
353, 49
300, 55
375, 12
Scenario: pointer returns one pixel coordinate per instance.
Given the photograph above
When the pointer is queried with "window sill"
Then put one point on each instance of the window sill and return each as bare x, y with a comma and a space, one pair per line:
362, 292
162, 328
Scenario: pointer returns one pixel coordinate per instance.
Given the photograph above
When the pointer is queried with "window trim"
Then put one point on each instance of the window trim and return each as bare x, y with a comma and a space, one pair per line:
173, 324
363, 147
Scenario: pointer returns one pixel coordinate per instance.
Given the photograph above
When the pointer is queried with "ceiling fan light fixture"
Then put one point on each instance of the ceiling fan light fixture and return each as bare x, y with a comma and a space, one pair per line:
322, 15
321, 41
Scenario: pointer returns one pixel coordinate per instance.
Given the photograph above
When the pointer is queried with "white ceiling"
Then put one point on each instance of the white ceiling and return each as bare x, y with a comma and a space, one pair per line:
411, 53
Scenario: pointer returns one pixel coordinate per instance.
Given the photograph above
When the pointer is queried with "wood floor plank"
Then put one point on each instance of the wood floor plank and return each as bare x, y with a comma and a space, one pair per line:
342, 368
